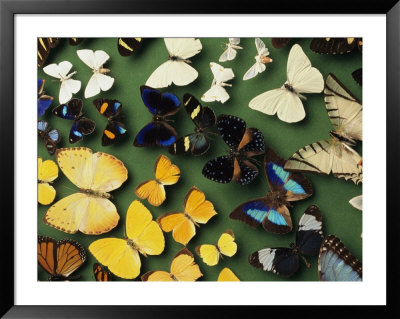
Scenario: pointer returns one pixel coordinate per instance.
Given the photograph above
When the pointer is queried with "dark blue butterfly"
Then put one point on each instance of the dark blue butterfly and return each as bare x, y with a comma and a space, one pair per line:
336, 263
44, 101
285, 261
73, 111
161, 105
272, 210
50, 138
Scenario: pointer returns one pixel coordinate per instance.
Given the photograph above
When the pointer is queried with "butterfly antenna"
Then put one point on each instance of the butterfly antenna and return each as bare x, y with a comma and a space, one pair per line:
258, 163
69, 188
306, 262
213, 133
169, 120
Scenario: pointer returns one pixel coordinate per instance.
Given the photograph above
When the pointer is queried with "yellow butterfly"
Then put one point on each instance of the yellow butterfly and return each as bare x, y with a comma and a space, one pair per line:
47, 172
183, 268
225, 246
166, 173
227, 275
90, 210
143, 235
197, 210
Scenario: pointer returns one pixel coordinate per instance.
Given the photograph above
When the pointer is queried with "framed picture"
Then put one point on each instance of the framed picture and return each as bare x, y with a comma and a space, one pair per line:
259, 182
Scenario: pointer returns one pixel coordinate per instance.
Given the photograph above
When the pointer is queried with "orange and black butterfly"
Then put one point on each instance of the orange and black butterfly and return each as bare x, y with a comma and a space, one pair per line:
60, 258
101, 274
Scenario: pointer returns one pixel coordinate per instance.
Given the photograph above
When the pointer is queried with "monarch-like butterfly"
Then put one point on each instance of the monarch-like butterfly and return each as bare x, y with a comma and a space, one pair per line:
101, 274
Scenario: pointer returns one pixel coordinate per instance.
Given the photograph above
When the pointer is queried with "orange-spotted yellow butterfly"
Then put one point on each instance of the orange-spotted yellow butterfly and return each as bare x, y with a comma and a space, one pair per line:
47, 172
166, 173
197, 210
143, 235
226, 246
183, 268
227, 275
90, 210
101, 274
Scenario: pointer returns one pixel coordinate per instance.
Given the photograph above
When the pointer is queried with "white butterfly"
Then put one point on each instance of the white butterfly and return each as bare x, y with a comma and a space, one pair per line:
176, 70
217, 91
301, 78
68, 86
99, 80
356, 202
230, 53
261, 60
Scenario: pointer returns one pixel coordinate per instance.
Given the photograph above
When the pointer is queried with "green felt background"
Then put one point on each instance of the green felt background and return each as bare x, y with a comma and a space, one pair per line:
330, 194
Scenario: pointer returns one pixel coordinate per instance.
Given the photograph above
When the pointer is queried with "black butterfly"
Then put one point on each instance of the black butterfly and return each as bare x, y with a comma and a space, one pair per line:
161, 105
114, 129
126, 46
73, 111
75, 41
204, 118
280, 42
50, 138
244, 143
357, 76
285, 261
335, 45
44, 47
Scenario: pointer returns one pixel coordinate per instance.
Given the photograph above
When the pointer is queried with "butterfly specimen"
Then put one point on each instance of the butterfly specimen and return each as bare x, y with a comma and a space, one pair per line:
203, 118
217, 91
335, 155
197, 210
356, 202
230, 52
177, 69
60, 258
47, 173
165, 173
99, 81
158, 131
211, 253
227, 275
44, 47
261, 60
75, 41
335, 45
279, 43
183, 268
336, 263
73, 111
101, 274
89, 210
126, 46
114, 129
272, 210
357, 76
44, 100
285, 261
50, 138
68, 85
286, 101
244, 143
143, 235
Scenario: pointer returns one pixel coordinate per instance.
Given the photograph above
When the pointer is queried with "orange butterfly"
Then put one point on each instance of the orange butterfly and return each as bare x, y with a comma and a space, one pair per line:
166, 173
101, 274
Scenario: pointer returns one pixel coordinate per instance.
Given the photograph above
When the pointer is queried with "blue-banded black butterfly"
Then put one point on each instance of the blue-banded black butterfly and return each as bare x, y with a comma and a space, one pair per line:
44, 100
335, 45
204, 118
114, 129
272, 210
73, 111
44, 47
336, 263
357, 76
244, 143
285, 261
161, 105
50, 138
126, 46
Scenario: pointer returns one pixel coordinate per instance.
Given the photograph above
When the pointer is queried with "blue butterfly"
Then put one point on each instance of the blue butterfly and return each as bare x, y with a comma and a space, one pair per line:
44, 101
272, 210
50, 138
336, 263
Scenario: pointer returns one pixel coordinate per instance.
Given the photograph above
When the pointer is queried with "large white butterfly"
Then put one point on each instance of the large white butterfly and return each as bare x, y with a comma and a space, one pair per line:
230, 53
217, 91
176, 70
261, 60
68, 86
286, 101
99, 80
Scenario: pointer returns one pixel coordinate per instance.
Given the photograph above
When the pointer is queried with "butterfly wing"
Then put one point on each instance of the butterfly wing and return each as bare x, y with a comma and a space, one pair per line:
280, 42
197, 144
108, 108
309, 234
209, 254
162, 104
43, 50
67, 88
184, 268
226, 244
127, 46
44, 101
183, 230
357, 76
219, 169
47, 172
46, 193
83, 126
257, 67
152, 191
88, 57
356, 202
220, 73
47, 254
166, 172
183, 47
75, 41
227, 275
54, 70
215, 93
101, 274
113, 133
156, 275
333, 45
197, 207
231, 129
202, 117
98, 82
70, 256
228, 55
156, 133
69, 111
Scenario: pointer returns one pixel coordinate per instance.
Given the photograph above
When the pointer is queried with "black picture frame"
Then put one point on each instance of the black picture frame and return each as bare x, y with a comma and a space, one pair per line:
8, 10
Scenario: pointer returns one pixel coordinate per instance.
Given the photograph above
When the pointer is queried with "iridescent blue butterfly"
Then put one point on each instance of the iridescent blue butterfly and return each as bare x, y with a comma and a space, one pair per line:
285, 261
50, 138
272, 210
161, 105
73, 111
336, 263
44, 101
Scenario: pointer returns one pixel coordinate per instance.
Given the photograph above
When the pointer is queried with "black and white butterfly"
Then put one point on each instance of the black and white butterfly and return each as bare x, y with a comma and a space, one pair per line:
204, 118
285, 261
50, 138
